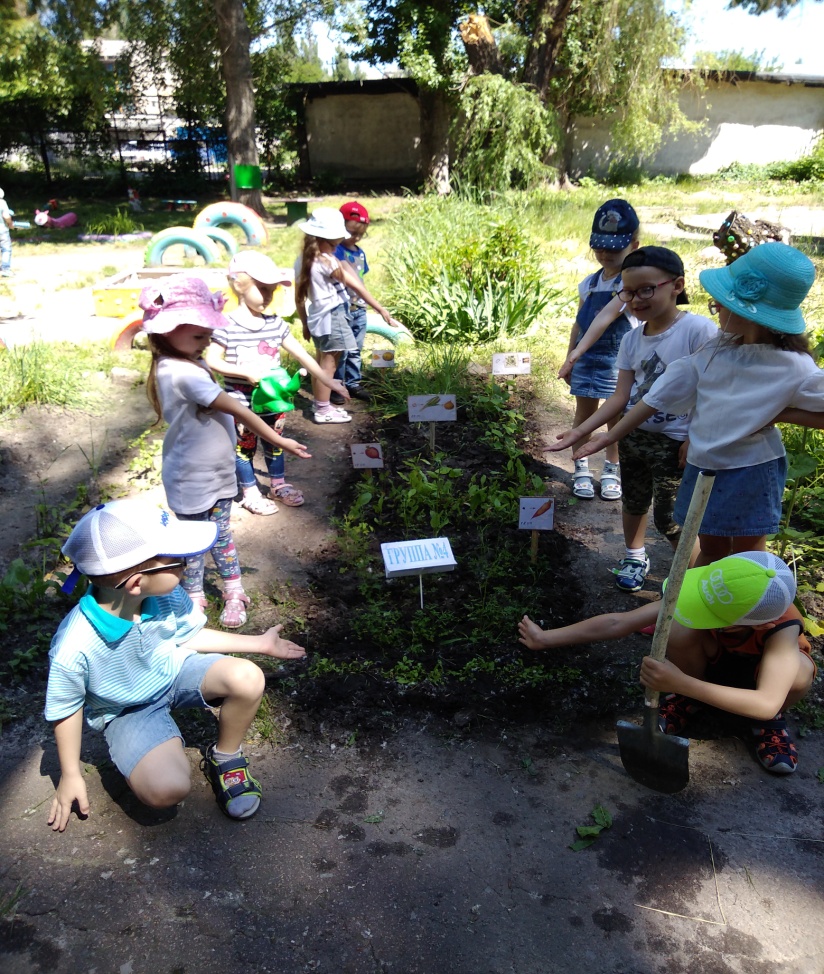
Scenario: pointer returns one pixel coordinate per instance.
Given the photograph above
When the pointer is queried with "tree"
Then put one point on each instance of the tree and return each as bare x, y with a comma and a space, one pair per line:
781, 7
735, 61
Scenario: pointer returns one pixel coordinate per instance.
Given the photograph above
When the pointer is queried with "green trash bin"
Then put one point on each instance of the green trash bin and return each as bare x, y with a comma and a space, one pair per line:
248, 177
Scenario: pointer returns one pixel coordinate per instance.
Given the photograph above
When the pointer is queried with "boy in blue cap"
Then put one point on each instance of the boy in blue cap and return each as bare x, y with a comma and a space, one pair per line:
135, 648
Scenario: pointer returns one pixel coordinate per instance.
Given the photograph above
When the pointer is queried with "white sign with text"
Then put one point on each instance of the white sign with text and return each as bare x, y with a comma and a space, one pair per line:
432, 409
536, 514
417, 557
511, 363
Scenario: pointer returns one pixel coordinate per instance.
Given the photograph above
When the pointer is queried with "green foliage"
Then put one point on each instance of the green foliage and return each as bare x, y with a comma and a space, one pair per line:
115, 224
589, 833
501, 135
48, 375
463, 275
736, 61
28, 613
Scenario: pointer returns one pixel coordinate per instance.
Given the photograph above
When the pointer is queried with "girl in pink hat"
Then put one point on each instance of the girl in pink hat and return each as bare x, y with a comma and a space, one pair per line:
179, 316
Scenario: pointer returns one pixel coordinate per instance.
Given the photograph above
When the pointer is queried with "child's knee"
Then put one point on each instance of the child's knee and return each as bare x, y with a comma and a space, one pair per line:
244, 679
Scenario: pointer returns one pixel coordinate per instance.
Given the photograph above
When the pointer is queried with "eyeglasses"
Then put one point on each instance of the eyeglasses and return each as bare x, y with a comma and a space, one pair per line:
153, 571
643, 293
713, 307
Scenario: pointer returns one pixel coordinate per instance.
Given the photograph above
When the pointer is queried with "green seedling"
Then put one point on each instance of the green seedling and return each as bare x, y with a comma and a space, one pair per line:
587, 834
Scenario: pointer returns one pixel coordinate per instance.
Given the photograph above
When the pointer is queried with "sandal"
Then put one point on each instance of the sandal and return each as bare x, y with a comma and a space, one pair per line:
287, 494
234, 609
582, 481
231, 781
774, 748
611, 482
254, 502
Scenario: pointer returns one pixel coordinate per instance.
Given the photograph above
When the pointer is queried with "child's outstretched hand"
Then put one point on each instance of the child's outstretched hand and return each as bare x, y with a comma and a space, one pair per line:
531, 635
70, 788
600, 441
337, 386
292, 446
274, 645
562, 441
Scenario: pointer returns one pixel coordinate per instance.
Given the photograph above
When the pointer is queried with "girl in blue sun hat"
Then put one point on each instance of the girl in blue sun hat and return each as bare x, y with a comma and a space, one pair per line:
757, 372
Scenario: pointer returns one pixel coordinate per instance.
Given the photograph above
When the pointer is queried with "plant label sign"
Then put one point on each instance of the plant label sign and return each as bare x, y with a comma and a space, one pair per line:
366, 455
536, 514
432, 409
383, 358
511, 363
417, 557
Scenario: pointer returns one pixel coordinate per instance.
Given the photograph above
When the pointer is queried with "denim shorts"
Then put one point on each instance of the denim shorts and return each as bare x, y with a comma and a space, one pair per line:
140, 729
593, 376
744, 502
341, 338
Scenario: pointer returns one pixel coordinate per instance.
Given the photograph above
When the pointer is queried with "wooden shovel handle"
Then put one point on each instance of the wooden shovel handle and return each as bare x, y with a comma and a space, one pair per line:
680, 562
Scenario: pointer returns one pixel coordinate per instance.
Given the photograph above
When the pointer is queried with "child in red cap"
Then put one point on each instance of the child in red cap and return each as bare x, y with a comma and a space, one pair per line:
356, 218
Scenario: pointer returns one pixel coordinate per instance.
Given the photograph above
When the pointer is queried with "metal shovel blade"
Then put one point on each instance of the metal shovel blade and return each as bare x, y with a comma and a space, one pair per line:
655, 760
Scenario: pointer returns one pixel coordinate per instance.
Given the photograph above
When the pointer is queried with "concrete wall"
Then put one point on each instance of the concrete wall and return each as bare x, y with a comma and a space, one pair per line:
364, 136
745, 121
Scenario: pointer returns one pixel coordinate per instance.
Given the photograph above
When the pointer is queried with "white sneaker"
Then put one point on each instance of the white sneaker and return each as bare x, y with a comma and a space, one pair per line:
330, 415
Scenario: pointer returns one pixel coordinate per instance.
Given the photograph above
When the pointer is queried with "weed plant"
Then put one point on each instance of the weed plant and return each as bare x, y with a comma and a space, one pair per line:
42, 374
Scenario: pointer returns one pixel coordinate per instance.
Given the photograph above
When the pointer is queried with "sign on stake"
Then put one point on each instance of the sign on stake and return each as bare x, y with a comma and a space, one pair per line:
536, 514
511, 363
432, 409
425, 557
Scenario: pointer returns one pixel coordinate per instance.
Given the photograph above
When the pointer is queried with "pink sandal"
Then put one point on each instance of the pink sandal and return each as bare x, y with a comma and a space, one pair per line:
234, 609
287, 494
199, 601
255, 503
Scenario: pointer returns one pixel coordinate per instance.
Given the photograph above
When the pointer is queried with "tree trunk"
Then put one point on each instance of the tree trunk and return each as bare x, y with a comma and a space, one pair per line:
479, 44
546, 40
434, 139
235, 38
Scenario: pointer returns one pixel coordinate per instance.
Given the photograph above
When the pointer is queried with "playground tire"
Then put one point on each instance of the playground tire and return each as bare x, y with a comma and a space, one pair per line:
198, 240
224, 238
236, 215
124, 340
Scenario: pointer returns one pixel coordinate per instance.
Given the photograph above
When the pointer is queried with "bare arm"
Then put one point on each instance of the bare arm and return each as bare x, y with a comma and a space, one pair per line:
801, 417
354, 283
215, 358
268, 643
639, 413
599, 325
71, 787
224, 403
297, 351
609, 408
612, 625
776, 676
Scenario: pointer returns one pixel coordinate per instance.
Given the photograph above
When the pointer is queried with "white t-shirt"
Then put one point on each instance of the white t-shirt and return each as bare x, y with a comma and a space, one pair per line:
199, 446
648, 357
325, 294
735, 392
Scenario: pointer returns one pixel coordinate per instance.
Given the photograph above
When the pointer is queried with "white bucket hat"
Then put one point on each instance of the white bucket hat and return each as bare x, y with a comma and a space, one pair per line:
326, 223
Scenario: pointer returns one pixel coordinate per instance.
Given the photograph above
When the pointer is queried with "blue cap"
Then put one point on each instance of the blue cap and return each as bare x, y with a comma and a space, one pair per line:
614, 226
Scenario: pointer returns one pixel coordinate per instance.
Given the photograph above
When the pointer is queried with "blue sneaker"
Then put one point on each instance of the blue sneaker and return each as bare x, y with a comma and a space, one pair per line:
631, 574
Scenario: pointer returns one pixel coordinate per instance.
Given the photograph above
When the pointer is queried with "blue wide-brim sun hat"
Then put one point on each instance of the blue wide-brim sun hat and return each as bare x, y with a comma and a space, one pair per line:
766, 285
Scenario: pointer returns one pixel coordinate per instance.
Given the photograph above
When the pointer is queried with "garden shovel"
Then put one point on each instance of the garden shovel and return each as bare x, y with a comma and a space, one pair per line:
655, 759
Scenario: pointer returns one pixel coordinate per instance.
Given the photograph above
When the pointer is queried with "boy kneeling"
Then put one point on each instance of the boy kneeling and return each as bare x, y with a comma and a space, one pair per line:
135, 648
737, 644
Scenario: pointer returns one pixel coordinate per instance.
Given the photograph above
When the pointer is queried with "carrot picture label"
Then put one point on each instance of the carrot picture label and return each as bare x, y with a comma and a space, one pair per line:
536, 513
511, 363
366, 455
383, 358
433, 409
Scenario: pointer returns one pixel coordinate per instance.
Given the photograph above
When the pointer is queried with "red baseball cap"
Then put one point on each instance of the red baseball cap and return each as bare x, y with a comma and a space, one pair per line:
355, 211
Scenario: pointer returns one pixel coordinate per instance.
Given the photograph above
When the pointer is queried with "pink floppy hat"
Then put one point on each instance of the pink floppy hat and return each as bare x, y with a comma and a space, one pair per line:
181, 300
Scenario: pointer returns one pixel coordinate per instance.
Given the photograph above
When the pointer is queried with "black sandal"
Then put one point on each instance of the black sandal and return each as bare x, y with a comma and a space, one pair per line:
229, 781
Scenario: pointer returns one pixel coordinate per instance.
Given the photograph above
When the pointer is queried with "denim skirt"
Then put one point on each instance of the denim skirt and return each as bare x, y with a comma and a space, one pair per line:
744, 502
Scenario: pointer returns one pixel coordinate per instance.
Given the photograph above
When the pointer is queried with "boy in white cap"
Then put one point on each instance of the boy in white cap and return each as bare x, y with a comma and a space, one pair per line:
246, 350
135, 648
737, 644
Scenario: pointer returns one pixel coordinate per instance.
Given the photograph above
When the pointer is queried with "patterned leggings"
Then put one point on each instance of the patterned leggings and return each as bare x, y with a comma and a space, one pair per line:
223, 551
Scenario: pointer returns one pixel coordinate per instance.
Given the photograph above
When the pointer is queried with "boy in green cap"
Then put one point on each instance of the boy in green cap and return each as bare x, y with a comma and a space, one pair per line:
737, 644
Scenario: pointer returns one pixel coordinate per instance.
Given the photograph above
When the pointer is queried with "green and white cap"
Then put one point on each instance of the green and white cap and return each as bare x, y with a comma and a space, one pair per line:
747, 589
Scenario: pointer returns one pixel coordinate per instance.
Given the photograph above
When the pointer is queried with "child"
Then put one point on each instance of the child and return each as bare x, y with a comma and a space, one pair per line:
356, 221
593, 345
244, 350
737, 386
736, 643
651, 455
134, 649
323, 281
198, 470
6, 225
